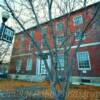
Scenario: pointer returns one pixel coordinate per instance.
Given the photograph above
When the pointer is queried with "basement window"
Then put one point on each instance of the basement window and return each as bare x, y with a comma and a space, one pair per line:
85, 80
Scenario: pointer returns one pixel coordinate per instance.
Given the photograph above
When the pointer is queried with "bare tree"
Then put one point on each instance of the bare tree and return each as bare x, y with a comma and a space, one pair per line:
66, 44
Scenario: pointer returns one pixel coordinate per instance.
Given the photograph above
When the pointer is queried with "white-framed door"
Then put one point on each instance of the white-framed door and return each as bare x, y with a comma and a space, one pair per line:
40, 66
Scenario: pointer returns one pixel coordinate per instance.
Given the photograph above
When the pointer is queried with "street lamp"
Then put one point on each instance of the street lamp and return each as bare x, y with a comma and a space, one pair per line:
6, 33
5, 17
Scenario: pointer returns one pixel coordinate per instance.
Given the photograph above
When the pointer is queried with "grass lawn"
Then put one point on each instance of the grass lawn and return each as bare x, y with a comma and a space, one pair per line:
81, 92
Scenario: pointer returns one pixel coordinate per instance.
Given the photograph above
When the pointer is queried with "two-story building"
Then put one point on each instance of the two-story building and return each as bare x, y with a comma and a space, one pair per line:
26, 66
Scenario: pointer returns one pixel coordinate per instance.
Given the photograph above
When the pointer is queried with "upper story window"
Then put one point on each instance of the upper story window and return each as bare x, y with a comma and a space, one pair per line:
78, 35
83, 61
60, 26
60, 39
29, 64
60, 62
31, 45
44, 30
32, 34
18, 65
44, 43
78, 20
22, 37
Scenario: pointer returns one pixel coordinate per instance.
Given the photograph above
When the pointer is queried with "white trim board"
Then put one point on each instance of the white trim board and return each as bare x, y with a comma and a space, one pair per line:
88, 44
25, 54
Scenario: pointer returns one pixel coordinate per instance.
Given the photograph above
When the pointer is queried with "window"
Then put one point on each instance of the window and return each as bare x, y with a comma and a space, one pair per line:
85, 80
78, 35
60, 62
29, 64
32, 34
78, 20
22, 37
83, 61
43, 70
44, 30
30, 45
18, 65
22, 45
60, 26
60, 39
44, 42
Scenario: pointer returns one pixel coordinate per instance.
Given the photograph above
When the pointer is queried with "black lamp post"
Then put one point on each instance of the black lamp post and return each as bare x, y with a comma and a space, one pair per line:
5, 17
6, 33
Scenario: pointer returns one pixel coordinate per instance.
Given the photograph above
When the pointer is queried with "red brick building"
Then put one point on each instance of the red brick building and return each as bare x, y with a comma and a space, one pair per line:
24, 65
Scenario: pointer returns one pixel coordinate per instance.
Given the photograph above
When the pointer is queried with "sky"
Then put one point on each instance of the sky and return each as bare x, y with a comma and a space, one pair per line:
1, 2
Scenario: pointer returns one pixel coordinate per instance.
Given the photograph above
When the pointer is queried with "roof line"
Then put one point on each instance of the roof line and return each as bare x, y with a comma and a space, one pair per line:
94, 4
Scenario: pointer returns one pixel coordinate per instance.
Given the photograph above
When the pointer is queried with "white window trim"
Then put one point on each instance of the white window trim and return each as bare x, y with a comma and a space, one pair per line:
74, 19
84, 69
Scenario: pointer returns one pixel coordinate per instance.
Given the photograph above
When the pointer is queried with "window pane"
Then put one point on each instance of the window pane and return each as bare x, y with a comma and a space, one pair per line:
32, 34
78, 35
83, 60
44, 30
22, 37
60, 26
43, 69
60, 40
60, 62
29, 64
78, 20
18, 65
44, 43
30, 45
42, 65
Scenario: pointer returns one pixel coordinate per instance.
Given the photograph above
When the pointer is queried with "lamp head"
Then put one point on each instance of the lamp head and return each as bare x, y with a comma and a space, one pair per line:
5, 16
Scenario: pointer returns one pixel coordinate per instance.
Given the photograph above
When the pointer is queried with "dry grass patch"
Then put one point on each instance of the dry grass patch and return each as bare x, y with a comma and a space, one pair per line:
75, 92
